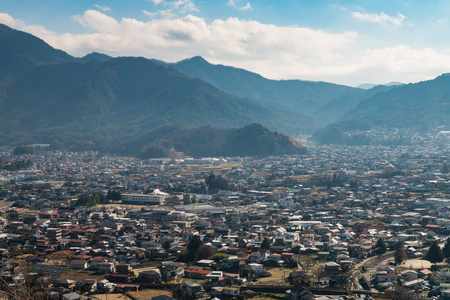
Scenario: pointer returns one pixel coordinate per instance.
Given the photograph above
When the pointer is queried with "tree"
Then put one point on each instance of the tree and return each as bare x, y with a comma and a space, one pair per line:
216, 183
400, 253
218, 256
446, 250
166, 245
193, 247
399, 293
445, 169
380, 247
265, 244
204, 251
434, 254
113, 195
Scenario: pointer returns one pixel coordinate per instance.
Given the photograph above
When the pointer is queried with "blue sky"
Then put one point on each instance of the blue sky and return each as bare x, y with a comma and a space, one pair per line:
347, 42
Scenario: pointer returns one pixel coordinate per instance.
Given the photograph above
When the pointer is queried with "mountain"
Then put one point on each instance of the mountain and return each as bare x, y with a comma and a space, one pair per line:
94, 55
295, 95
367, 86
421, 106
251, 140
21, 52
72, 103
338, 107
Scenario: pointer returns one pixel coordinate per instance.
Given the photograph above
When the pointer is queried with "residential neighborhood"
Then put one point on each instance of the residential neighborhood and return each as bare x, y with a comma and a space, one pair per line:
339, 221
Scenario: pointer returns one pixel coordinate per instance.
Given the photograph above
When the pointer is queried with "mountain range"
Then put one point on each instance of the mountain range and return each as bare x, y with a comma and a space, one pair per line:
102, 102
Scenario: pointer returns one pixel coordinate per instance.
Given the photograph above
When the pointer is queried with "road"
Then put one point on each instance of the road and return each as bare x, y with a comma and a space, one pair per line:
370, 265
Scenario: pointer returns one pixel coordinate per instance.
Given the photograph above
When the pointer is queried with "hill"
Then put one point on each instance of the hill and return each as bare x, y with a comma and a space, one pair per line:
421, 106
251, 140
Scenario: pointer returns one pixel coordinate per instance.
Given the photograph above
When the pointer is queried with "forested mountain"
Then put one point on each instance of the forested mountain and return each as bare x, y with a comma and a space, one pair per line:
422, 106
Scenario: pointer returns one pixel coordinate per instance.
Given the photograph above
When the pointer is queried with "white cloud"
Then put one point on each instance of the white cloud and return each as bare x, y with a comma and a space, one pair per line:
246, 7
273, 51
103, 8
164, 13
382, 18
174, 8
237, 4
232, 3
156, 2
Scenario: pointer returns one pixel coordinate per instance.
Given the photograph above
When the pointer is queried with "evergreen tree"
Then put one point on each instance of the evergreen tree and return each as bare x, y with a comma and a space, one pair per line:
380, 247
193, 247
400, 253
446, 250
265, 244
166, 246
434, 254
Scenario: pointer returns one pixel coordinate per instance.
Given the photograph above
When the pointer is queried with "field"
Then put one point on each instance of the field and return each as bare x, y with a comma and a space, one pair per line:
149, 294
111, 297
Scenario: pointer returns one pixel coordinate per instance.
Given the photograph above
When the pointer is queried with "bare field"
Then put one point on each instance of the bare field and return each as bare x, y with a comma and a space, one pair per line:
149, 294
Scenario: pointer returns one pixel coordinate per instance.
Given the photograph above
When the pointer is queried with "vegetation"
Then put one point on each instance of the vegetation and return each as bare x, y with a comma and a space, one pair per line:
114, 195
380, 247
400, 253
434, 254
265, 244
91, 200
446, 250
216, 183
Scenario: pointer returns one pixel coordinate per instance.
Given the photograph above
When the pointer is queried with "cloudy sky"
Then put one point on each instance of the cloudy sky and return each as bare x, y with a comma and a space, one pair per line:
348, 42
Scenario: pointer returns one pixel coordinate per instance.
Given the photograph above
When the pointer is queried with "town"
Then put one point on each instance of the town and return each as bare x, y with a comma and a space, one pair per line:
339, 221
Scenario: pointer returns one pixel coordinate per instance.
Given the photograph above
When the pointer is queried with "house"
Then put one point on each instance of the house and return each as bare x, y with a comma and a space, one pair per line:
299, 293
414, 284
89, 285
192, 289
150, 276
386, 278
258, 268
196, 273
78, 264
215, 277
332, 268
441, 277
226, 292
123, 268
408, 275
65, 283
106, 267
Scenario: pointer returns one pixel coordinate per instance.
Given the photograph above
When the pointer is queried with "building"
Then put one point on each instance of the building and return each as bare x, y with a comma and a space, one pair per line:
155, 198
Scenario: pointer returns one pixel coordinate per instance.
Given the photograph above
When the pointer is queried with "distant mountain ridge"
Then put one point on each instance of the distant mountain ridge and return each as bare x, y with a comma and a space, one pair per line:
297, 95
79, 103
422, 106
49, 96
368, 86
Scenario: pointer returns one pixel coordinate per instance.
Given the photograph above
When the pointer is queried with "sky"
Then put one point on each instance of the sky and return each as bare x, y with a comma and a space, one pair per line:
347, 42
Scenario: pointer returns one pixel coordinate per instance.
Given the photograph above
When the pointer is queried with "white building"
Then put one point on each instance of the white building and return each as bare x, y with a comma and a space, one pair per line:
155, 198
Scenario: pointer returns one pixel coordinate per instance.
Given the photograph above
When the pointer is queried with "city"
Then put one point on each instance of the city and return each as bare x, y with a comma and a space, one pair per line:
355, 221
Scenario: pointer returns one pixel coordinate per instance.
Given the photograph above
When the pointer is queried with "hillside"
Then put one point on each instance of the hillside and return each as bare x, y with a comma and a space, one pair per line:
422, 106
296, 95
251, 140
71, 103
21, 52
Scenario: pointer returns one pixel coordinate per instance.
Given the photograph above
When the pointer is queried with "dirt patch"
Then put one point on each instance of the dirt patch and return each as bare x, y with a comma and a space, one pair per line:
111, 297
149, 294
418, 264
